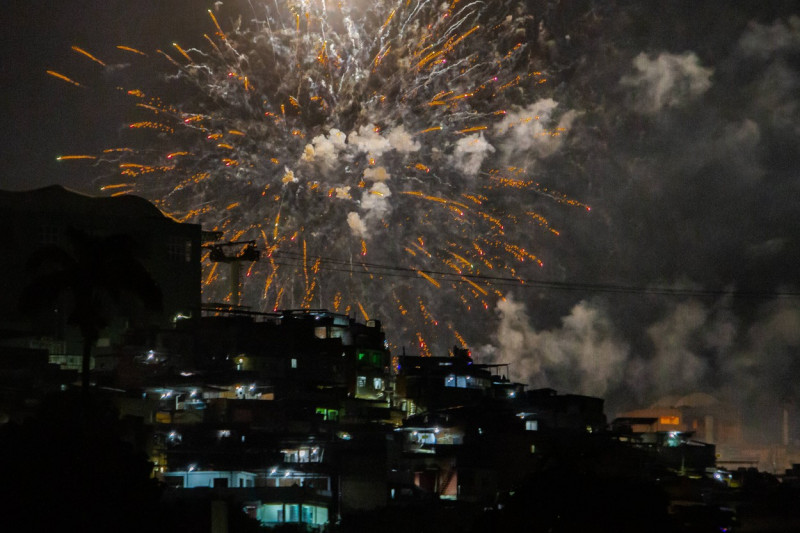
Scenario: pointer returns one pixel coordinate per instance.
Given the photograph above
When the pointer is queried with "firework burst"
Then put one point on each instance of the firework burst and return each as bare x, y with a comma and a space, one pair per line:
381, 154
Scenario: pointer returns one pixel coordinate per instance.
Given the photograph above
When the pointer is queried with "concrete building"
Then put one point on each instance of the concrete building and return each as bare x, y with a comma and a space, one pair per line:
38, 219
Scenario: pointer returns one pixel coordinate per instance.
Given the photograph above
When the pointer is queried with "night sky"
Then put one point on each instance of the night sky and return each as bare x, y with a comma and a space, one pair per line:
685, 143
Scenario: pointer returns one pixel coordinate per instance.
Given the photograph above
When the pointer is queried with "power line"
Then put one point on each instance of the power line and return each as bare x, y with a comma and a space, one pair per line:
339, 265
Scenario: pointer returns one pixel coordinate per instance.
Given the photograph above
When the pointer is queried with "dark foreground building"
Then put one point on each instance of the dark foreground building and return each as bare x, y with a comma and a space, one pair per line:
47, 219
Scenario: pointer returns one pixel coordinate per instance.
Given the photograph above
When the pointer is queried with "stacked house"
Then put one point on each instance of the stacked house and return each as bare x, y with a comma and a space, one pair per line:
297, 417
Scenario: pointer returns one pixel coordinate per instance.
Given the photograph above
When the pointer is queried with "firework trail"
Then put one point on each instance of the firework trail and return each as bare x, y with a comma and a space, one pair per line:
382, 155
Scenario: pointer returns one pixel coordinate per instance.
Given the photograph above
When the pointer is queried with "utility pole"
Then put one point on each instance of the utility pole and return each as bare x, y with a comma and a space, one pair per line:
234, 253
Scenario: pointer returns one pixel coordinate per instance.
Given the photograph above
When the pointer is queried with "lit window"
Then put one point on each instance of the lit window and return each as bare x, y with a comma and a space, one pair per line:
361, 381
294, 362
377, 383
307, 514
532, 425
292, 511
670, 420
450, 381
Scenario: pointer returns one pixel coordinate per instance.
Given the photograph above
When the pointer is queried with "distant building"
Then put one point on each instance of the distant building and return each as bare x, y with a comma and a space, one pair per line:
33, 220
429, 383
293, 353
709, 419
768, 443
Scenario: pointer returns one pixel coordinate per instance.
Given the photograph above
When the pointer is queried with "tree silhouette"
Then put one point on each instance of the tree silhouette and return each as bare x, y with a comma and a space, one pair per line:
69, 467
91, 278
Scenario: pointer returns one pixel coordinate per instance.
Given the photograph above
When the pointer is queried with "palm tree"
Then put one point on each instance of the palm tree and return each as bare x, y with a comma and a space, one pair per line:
91, 277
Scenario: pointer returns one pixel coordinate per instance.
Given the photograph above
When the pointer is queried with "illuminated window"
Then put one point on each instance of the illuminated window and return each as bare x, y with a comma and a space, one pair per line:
371, 358
361, 381
426, 437
461, 382
670, 420
290, 456
673, 439
377, 383
450, 381
321, 332
331, 415
308, 514
314, 455
532, 425
294, 362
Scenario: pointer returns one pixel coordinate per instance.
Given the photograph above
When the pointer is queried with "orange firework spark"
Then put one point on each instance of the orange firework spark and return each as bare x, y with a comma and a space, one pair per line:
64, 78
252, 155
133, 50
87, 54
74, 157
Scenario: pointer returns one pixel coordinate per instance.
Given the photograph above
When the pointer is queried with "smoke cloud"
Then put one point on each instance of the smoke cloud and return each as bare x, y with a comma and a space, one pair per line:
325, 150
376, 174
693, 347
402, 141
470, 152
374, 206
584, 355
764, 41
368, 139
533, 130
668, 80
357, 226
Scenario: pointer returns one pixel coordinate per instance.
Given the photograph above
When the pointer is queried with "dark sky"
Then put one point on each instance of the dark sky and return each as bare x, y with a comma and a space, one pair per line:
688, 152
686, 145
44, 117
